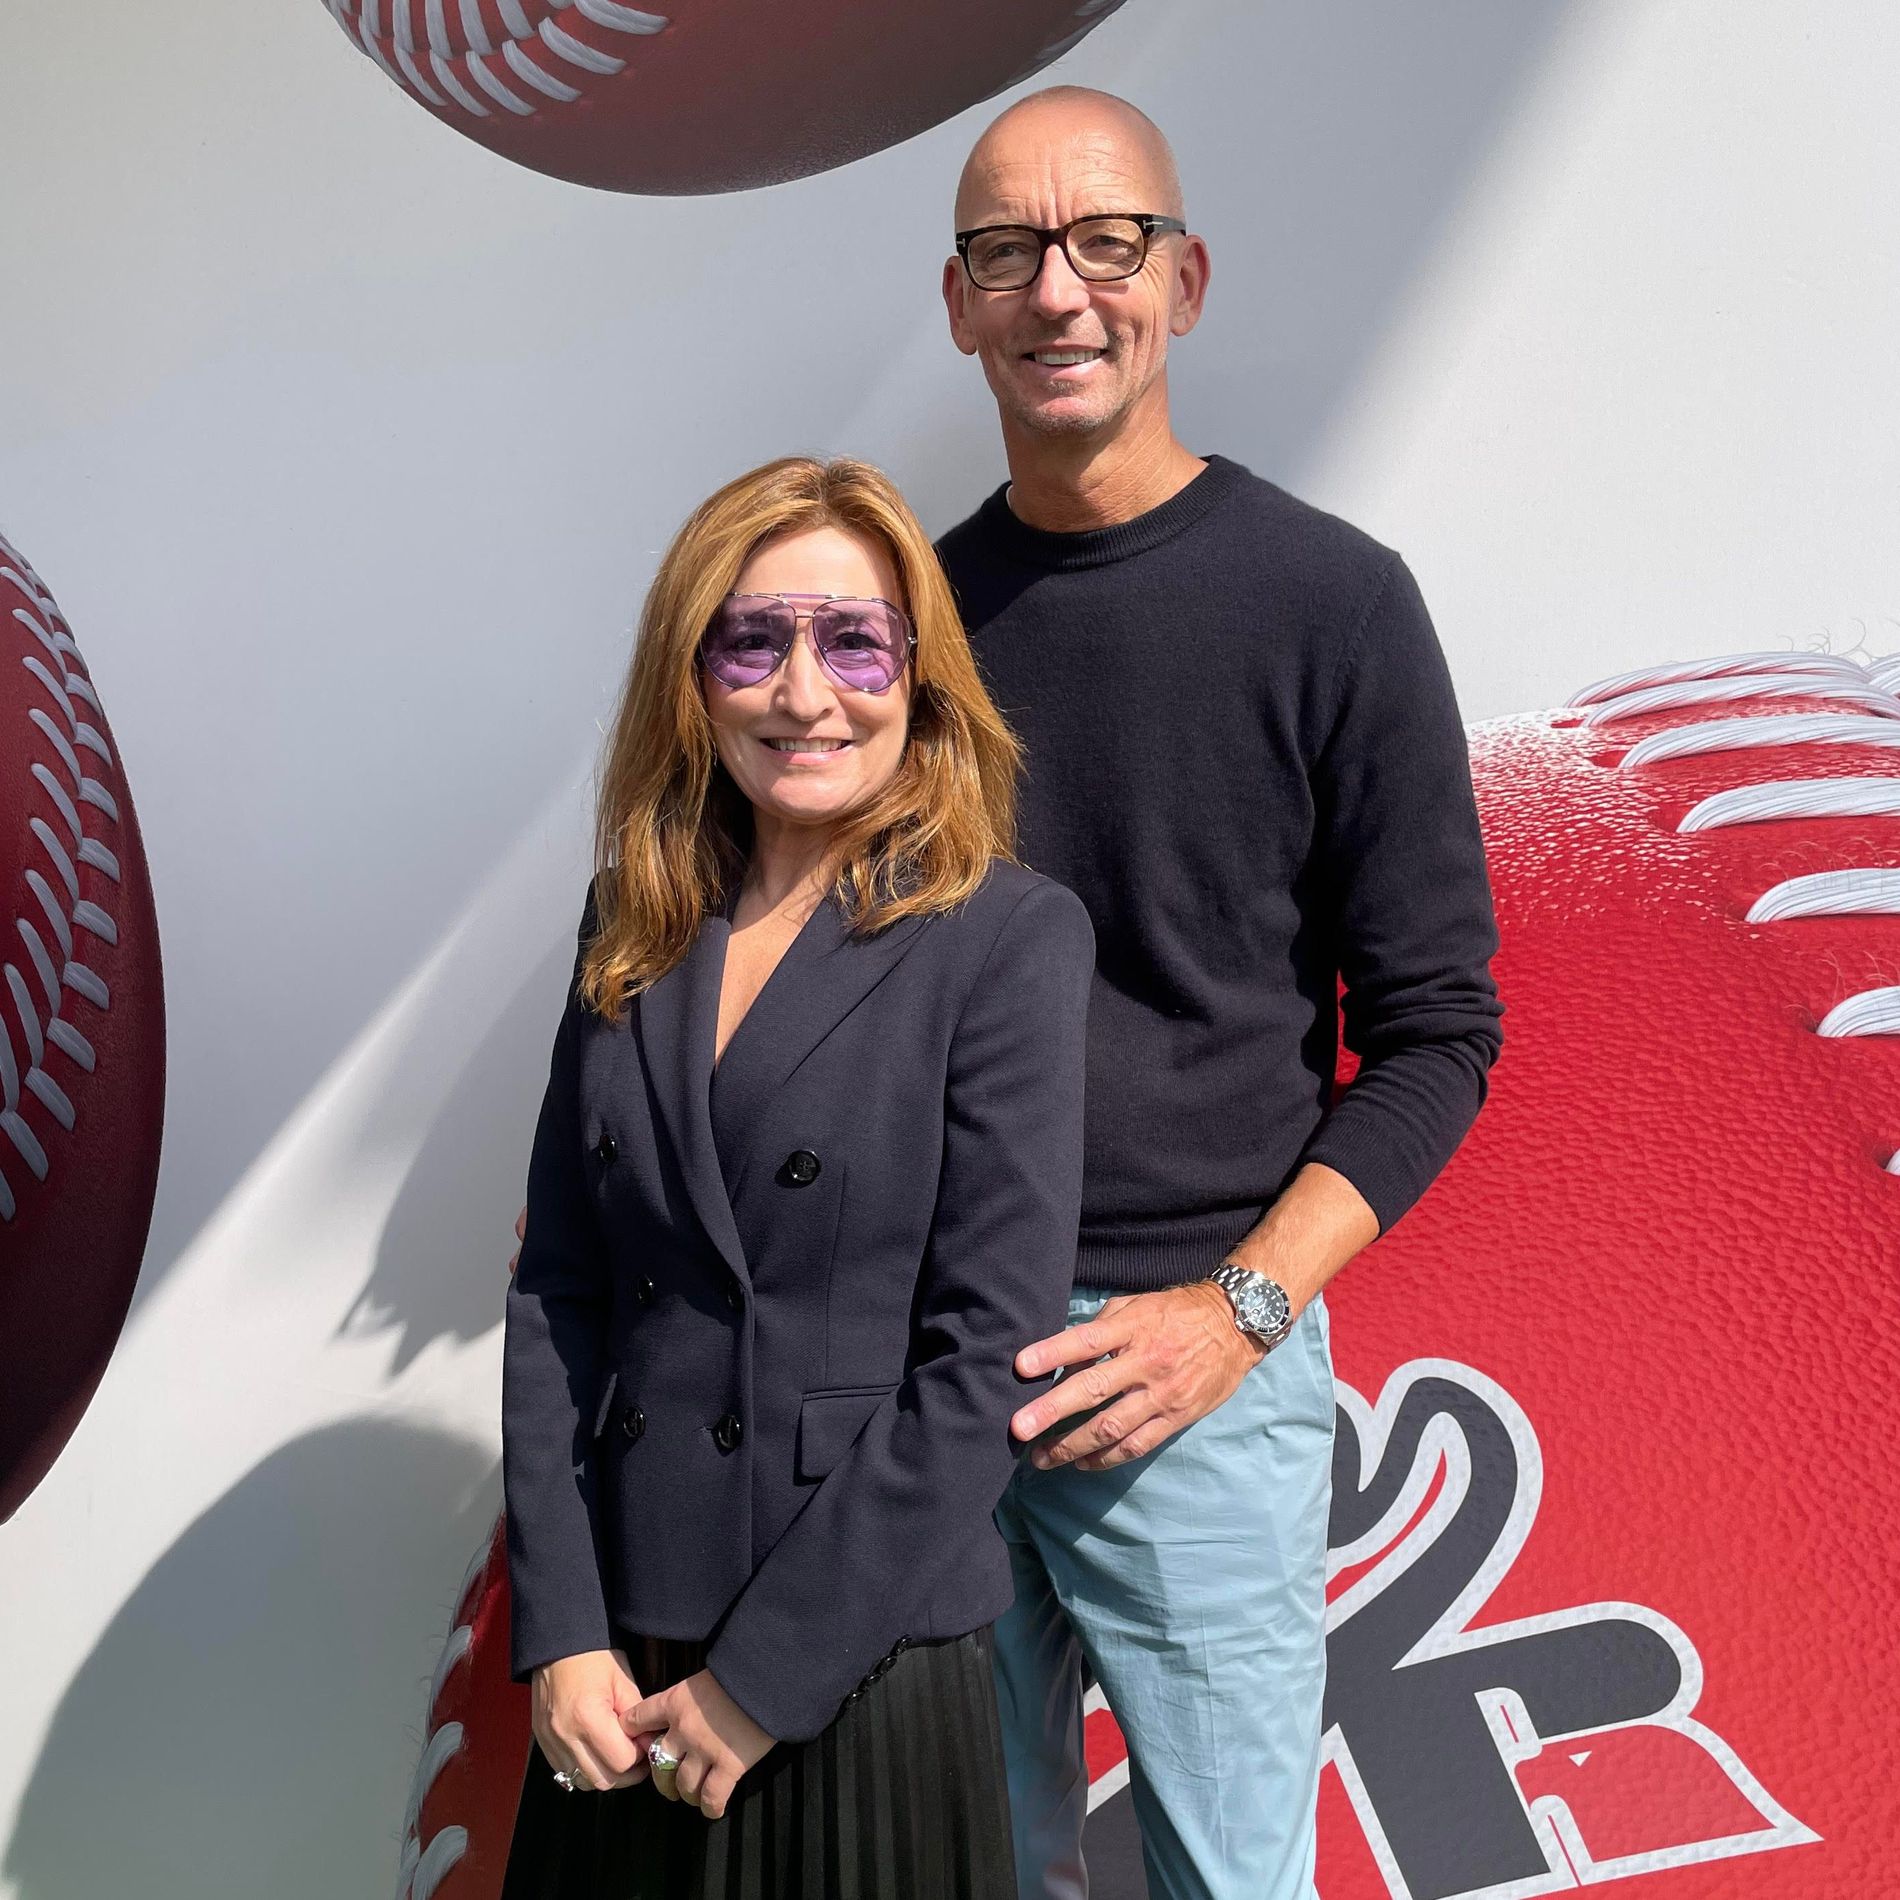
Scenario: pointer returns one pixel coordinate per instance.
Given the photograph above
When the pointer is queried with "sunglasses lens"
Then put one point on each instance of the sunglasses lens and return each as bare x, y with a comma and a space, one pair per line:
864, 643
748, 637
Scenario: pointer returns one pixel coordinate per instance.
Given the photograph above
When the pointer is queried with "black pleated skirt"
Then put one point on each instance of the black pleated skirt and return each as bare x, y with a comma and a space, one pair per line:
903, 1797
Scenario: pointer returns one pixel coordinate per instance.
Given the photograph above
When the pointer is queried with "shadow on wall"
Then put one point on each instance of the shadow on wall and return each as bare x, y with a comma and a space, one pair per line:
441, 1267
249, 1720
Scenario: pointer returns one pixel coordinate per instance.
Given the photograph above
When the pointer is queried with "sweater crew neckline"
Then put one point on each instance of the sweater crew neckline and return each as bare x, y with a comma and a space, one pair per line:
1057, 551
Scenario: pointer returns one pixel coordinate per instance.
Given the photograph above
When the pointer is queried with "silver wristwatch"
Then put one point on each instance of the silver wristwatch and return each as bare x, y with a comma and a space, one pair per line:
1261, 1307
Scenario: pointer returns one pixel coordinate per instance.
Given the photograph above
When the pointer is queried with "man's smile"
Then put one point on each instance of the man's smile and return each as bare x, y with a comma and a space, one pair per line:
1059, 363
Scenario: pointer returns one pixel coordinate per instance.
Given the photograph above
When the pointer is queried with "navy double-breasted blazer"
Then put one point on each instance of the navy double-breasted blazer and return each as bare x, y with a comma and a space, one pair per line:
758, 1377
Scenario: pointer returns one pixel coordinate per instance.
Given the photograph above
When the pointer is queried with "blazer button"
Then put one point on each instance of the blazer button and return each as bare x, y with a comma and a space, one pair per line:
801, 1167
633, 1421
643, 1291
604, 1148
728, 1432
734, 1298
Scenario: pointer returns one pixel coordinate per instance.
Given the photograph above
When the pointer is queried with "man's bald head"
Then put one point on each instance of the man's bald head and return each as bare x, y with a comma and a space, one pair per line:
1033, 149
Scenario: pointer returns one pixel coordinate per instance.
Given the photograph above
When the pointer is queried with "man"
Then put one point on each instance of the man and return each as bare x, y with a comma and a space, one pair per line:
1245, 755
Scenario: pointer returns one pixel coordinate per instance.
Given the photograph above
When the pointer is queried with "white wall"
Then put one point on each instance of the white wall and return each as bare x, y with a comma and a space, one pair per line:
348, 449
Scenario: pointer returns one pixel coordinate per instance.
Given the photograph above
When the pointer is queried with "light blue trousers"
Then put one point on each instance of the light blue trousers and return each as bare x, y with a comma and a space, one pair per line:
1194, 1581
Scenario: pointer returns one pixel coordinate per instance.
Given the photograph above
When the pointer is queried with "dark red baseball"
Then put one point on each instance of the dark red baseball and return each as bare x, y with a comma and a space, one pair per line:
82, 1035
707, 95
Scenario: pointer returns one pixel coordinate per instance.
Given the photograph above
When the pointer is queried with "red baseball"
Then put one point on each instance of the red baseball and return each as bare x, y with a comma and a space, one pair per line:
706, 95
82, 1036
1650, 1320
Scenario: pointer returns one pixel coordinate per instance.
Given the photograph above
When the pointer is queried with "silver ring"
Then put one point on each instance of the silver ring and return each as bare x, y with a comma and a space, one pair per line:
564, 1780
660, 1759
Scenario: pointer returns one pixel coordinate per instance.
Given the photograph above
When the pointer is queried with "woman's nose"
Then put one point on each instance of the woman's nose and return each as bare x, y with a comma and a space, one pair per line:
801, 680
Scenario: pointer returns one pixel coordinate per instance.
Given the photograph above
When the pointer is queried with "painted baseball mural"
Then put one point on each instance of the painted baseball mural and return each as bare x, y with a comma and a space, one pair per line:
357, 381
1542, 1672
82, 1035
705, 95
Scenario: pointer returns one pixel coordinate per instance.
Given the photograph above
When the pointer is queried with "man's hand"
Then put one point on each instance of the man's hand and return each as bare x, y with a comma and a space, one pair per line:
715, 1740
521, 1233
1177, 1355
578, 1705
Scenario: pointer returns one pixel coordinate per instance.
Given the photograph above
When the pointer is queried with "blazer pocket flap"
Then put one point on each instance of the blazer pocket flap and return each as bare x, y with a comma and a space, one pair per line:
829, 1423
604, 1409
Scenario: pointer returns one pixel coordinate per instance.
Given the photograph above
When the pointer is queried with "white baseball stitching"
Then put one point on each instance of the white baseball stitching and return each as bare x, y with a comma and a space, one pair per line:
1853, 890
1796, 798
464, 64
48, 929
1620, 683
1735, 735
1696, 692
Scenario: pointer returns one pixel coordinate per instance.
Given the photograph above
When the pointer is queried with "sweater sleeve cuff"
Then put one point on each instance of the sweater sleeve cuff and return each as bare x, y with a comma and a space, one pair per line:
1391, 1147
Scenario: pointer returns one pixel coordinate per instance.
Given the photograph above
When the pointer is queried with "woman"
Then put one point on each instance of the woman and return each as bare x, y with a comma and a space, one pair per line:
806, 1177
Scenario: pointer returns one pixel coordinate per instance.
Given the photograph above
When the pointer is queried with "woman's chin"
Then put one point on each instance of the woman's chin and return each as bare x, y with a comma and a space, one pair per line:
817, 807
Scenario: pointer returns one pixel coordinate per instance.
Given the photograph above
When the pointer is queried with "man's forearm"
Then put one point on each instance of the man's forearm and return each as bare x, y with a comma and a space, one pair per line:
1309, 1233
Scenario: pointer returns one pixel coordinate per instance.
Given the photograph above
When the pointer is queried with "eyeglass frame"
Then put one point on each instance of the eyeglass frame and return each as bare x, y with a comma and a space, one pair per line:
817, 652
1152, 224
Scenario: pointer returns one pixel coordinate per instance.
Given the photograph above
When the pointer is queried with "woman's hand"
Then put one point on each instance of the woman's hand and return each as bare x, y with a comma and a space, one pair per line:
715, 1740
578, 1705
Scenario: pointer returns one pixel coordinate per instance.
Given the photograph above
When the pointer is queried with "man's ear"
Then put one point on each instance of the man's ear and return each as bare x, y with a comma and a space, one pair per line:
1190, 286
956, 296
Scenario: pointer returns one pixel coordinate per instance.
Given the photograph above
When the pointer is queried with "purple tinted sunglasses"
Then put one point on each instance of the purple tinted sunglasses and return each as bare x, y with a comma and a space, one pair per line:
862, 644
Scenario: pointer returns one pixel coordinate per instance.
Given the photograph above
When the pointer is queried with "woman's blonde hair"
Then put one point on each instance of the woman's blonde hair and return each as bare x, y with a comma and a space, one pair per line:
672, 831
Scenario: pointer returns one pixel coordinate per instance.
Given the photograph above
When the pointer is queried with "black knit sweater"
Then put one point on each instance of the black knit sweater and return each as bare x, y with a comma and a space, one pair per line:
1245, 755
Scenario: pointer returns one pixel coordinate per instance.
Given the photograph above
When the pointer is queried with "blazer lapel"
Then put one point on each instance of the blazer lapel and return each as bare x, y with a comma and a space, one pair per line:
823, 976
677, 1020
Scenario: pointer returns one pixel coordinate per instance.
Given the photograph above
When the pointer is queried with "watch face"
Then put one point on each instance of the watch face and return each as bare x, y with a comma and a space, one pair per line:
1263, 1308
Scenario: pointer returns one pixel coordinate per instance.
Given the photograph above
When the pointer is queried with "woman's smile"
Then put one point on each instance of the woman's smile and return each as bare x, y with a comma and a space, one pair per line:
795, 749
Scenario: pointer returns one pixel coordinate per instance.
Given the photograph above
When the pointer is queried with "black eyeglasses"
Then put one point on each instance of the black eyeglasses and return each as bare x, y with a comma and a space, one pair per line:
1101, 249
